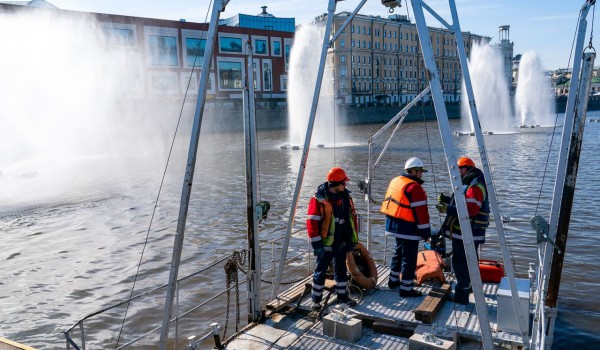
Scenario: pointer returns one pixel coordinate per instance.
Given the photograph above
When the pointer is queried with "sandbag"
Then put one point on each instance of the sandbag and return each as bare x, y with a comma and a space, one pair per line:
430, 266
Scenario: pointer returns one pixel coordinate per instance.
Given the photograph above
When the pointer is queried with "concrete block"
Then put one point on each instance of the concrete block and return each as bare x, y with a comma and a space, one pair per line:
417, 342
441, 332
349, 330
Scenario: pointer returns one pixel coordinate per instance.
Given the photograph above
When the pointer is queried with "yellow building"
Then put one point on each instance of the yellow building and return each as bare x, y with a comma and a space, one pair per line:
377, 61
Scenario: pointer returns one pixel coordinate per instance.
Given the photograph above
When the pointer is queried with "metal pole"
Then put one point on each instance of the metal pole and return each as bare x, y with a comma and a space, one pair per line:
311, 122
371, 167
569, 186
219, 6
548, 248
523, 323
254, 271
461, 205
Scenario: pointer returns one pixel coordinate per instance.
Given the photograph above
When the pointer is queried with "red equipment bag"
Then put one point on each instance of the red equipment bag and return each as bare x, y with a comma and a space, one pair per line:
491, 271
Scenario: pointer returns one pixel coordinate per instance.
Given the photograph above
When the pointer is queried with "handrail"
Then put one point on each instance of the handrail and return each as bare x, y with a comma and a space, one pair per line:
79, 323
110, 307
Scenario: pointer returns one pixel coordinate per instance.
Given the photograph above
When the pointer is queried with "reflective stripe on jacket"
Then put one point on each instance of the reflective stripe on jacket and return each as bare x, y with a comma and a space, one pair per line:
321, 222
396, 203
405, 206
478, 208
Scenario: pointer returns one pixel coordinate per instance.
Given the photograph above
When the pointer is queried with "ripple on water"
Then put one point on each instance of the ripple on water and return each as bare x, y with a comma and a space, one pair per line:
78, 258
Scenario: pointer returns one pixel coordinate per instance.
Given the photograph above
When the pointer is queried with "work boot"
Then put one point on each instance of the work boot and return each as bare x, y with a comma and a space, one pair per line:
413, 293
392, 284
345, 299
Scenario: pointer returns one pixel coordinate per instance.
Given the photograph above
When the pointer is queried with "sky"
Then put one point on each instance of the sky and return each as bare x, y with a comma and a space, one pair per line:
544, 27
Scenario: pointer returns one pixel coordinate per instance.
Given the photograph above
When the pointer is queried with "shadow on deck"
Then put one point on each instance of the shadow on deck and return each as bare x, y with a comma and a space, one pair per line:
376, 307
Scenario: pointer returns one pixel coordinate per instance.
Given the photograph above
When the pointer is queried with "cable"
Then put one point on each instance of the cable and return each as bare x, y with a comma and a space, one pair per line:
158, 194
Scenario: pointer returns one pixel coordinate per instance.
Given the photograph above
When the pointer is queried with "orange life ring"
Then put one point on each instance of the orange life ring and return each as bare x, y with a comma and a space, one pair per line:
368, 279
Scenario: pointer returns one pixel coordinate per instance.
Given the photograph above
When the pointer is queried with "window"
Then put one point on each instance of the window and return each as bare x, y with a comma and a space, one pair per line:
266, 72
343, 71
230, 75
227, 44
287, 47
255, 76
163, 50
260, 46
343, 59
119, 36
342, 43
194, 51
164, 83
276, 49
283, 79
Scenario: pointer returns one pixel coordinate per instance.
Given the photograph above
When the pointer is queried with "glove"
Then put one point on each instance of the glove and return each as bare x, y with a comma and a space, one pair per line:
441, 207
319, 252
442, 198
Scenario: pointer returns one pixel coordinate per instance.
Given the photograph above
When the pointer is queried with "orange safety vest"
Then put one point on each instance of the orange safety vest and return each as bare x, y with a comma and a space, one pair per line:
396, 203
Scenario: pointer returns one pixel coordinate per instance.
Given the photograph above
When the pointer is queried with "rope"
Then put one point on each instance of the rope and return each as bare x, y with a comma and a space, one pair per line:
158, 196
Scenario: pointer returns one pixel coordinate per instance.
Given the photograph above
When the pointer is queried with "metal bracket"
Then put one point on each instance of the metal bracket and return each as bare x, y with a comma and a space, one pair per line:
541, 227
261, 210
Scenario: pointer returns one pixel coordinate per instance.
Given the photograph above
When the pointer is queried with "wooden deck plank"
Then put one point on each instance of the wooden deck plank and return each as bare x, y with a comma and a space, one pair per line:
432, 303
383, 310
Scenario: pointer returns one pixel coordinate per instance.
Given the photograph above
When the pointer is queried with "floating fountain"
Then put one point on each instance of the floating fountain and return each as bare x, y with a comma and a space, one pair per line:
66, 125
304, 64
491, 92
534, 99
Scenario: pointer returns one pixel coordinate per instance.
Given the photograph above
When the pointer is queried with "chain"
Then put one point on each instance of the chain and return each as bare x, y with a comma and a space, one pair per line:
231, 268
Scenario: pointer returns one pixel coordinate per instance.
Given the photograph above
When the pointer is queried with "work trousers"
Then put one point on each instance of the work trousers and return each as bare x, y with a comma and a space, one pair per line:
340, 275
461, 269
404, 261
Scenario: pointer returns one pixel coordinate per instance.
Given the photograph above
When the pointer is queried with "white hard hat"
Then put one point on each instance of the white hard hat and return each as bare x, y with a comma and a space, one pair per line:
414, 162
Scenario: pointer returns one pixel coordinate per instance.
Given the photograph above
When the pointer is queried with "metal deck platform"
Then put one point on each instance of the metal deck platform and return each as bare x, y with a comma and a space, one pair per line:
380, 305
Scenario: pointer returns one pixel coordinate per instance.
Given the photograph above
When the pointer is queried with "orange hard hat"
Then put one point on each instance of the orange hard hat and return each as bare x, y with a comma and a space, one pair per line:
464, 161
337, 174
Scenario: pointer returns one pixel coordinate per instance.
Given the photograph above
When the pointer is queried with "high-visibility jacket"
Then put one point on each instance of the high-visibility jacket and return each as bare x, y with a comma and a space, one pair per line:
405, 207
478, 207
322, 221
396, 203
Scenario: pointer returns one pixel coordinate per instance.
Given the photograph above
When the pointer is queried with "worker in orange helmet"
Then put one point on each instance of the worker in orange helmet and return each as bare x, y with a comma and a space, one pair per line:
478, 207
332, 229
407, 219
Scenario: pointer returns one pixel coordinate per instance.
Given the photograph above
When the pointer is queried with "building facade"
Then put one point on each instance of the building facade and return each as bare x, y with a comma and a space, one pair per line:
165, 56
377, 61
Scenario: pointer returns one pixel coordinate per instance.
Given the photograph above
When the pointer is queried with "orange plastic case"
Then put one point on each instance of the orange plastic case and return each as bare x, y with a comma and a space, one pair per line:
491, 271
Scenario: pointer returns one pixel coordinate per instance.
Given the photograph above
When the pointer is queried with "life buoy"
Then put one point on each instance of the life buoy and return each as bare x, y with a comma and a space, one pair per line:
367, 278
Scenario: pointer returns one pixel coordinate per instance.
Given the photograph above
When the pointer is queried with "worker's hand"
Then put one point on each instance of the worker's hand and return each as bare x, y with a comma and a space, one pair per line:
319, 252
442, 198
441, 207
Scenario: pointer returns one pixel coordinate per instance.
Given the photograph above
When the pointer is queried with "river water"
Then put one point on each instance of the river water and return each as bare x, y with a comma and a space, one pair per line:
72, 240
